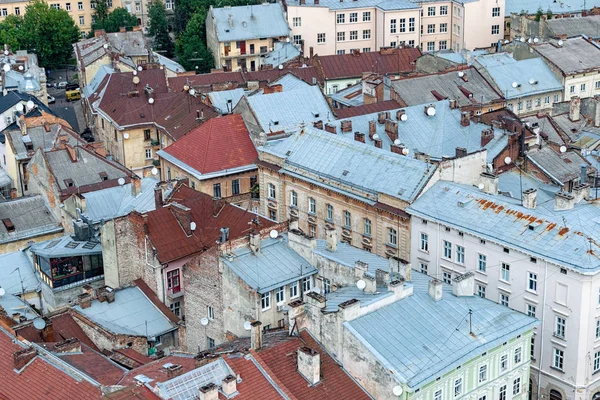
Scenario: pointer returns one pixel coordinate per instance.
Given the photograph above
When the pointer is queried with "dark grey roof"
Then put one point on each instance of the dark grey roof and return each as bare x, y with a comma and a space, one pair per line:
39, 137
561, 168
66, 246
14, 97
589, 26
30, 217
575, 55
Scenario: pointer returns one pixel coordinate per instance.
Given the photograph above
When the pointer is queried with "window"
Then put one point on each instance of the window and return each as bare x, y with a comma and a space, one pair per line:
265, 301
598, 329
366, 16
312, 230
582, 87
495, 11
393, 26
411, 26
280, 294
366, 50
481, 291
367, 230
341, 36
138, 7
68, 6
271, 188
532, 281
80, 5
482, 373
293, 199
482, 263
18, 12
148, 154
366, 34
532, 348
538, 102
547, 100
559, 358
531, 310
495, 29
92, 5
520, 105
169, 4
402, 25
458, 387
518, 355
353, 35
505, 272
572, 89
81, 20
392, 236
460, 254
273, 215
173, 281
306, 284
341, 18
502, 393
339, 52
504, 299
411, 43
597, 84
210, 312
443, 10
424, 242
431, 11
347, 219
437, 395
447, 277
353, 17
504, 363
528, 104
210, 342
217, 190
444, 27
297, 21
597, 361
320, 38
312, 205
329, 212
424, 268
560, 327
447, 250
431, 28
235, 186
293, 290
392, 44
516, 386
176, 308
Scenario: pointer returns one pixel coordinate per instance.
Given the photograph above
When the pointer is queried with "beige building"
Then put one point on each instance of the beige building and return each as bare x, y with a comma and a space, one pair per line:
239, 36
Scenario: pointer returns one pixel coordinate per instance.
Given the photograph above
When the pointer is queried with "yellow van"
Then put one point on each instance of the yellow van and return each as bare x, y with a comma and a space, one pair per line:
73, 95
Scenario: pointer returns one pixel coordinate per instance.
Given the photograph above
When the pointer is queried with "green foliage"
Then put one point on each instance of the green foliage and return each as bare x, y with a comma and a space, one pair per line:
10, 31
538, 14
159, 28
101, 10
549, 14
115, 20
48, 33
191, 49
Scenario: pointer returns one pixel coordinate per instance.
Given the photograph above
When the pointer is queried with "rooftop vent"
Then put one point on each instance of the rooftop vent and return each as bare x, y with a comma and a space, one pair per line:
8, 225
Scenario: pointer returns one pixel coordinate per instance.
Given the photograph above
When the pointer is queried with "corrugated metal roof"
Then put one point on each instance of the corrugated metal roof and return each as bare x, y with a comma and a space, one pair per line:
282, 52
420, 339
66, 246
348, 255
10, 280
364, 109
225, 100
334, 299
275, 265
168, 63
131, 313
576, 55
186, 386
264, 20
351, 96
13, 304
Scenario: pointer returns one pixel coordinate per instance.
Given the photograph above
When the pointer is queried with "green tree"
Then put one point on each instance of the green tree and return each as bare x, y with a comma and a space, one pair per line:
538, 14
49, 33
159, 28
116, 20
191, 49
101, 10
10, 31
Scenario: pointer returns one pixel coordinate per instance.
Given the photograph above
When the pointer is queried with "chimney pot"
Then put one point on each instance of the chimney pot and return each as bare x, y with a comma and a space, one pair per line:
22, 357
563, 201
174, 371
490, 183
318, 124
463, 285
209, 392
465, 118
378, 143
359, 137
381, 117
574, 108
486, 136
136, 186
332, 239
530, 198
331, 128
461, 152
346, 126
435, 289
256, 335
229, 385
391, 128
452, 104
309, 364
84, 300
372, 128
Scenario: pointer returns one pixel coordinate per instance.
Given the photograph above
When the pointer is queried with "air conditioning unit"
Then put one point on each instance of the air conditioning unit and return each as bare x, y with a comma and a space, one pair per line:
280, 307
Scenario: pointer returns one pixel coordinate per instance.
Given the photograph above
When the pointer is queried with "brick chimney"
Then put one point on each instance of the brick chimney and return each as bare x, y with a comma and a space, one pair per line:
23, 356
563, 201
331, 128
396, 148
158, 197
465, 119
183, 215
372, 128
530, 198
381, 117
254, 241
391, 128
203, 358
346, 126
309, 364
359, 137
47, 332
122, 29
399, 114
209, 392
136, 186
99, 32
378, 142
332, 239
72, 345
318, 124
84, 300
460, 152
452, 104
574, 108
486, 136
256, 335
463, 285
435, 289
23, 125
229, 385
174, 370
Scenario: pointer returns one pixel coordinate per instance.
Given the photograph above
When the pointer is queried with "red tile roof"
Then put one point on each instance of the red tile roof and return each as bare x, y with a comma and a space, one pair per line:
210, 216
132, 393
94, 365
39, 379
219, 144
155, 370
385, 61
306, 74
367, 109
254, 385
130, 358
156, 301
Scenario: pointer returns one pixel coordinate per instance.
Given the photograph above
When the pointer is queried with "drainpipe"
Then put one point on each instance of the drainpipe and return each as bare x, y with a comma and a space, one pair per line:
437, 258
539, 385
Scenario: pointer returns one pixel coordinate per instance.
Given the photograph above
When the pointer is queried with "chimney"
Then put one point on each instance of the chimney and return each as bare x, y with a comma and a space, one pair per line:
465, 118
183, 215
382, 277
209, 392
254, 241
452, 104
318, 124
359, 137
23, 125
331, 128
13, 193
464, 285
47, 332
391, 128
464, 77
371, 284
316, 4
563, 201
302, 2
399, 114
530, 198
23, 356
158, 197
597, 111
256, 335
84, 300
346, 126
396, 148
309, 364
372, 128
574, 108
332, 239
136, 186
381, 117
435, 289
229, 385
399, 267
378, 142
224, 234
122, 29
311, 51
72, 345
486, 136
99, 32
583, 174
174, 371
203, 358
490, 183
460, 152
581, 192
360, 269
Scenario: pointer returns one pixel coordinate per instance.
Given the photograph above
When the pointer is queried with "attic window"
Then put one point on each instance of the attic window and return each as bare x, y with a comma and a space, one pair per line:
275, 122
72, 245
345, 173
69, 182
563, 271
316, 115
8, 225
103, 175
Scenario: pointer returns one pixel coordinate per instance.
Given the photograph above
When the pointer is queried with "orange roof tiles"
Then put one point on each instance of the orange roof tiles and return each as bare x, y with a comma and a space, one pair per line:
254, 385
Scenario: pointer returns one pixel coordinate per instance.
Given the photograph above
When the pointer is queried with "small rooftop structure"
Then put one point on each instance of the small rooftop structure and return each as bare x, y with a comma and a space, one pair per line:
26, 217
282, 53
224, 100
558, 167
264, 20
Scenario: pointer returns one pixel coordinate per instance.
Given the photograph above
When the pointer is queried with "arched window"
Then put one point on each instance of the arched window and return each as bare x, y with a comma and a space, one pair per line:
555, 395
596, 396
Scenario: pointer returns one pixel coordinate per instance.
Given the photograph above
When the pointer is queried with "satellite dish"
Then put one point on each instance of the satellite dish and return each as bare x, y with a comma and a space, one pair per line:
397, 142
247, 325
507, 160
20, 107
563, 149
529, 40
151, 100
126, 135
361, 284
403, 117
287, 39
121, 181
140, 68
136, 80
506, 41
154, 171
105, 45
535, 40
560, 42
397, 390
192, 92
522, 40
375, 137
280, 67
204, 321
515, 84
431, 111
461, 74
39, 323
273, 234
20, 68
481, 186
5, 52
2, 292
6, 67
134, 72
30, 105
405, 151
532, 81
193, 226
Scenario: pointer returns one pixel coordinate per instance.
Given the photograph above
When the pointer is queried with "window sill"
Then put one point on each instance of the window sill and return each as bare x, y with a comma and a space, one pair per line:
531, 291
481, 272
266, 309
557, 369
391, 245
424, 251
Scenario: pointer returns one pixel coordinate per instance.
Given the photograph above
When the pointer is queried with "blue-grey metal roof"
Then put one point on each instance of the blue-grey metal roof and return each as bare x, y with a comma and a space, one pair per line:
561, 237
351, 96
117, 201
386, 5
289, 82
13, 304
275, 265
17, 273
186, 386
341, 295
265, 20
168, 63
575, 56
66, 246
510, 183
279, 111
131, 313
282, 52
31, 217
420, 339
13, 97
318, 155
532, 76
557, 7
225, 100
94, 84
5, 180
348, 255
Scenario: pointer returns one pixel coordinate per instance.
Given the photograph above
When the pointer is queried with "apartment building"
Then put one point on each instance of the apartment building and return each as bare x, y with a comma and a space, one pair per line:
341, 27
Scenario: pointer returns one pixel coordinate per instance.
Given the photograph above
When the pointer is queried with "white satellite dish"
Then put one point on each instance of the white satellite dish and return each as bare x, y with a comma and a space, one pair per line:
405, 151
397, 142
136, 80
506, 41
361, 284
105, 45
247, 325
535, 40
20, 107
529, 40
563, 149
20, 68
134, 72
154, 170
522, 39
204, 321
287, 39
6, 67
515, 84
193, 226
140, 68
397, 390
532, 81
126, 135
121, 181
461, 74
280, 67
560, 42
403, 117
481, 186
431, 111
30, 105
273, 234
507, 160
151, 100
39, 323
2, 292
375, 137
5, 52
192, 92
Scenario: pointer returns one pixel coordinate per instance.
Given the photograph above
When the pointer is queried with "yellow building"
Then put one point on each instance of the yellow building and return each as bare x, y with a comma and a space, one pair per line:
239, 36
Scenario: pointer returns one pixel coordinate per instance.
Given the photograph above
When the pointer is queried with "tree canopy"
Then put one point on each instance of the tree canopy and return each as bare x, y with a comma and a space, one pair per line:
159, 28
115, 20
10, 31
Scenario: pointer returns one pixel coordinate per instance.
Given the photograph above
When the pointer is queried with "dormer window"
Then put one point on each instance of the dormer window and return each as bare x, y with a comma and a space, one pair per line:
103, 175
69, 182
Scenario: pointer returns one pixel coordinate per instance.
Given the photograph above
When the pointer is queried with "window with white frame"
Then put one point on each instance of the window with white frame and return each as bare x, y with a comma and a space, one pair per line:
424, 242
271, 192
366, 16
329, 212
148, 154
504, 299
560, 327
518, 355
495, 11
392, 236
402, 25
547, 100
447, 277
532, 281
210, 312
297, 39
176, 308
423, 268
482, 263
293, 199
341, 18
532, 348
320, 38
437, 395
307, 284
504, 363
280, 294
312, 230
597, 84
217, 190
559, 358
538, 102
265, 301
431, 11
353, 17
80, 5
482, 373
481, 291
516, 386
367, 230
528, 104
347, 219
411, 25
458, 387
572, 89
411, 43
312, 205
597, 361
81, 20
339, 53
169, 4
460, 254
294, 290
326, 286
366, 34
444, 27
531, 309
598, 329
297, 21
582, 87
392, 25
341, 36
430, 28
447, 250
505, 272
67, 7
443, 10
353, 35
502, 393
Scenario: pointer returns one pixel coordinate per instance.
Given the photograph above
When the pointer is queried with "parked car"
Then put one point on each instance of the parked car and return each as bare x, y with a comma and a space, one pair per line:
62, 85
51, 99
